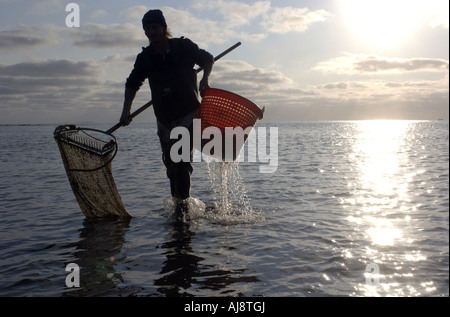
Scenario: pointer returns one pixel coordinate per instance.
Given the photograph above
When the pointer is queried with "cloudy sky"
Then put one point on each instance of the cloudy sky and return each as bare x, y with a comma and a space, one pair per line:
301, 59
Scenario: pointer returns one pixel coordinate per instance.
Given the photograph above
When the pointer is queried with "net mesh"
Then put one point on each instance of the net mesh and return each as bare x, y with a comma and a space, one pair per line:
87, 155
222, 110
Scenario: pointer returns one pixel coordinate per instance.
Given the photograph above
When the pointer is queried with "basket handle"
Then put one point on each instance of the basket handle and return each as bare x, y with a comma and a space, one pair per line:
148, 104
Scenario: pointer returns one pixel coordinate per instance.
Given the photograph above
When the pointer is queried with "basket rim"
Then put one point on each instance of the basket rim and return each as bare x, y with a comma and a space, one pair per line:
261, 111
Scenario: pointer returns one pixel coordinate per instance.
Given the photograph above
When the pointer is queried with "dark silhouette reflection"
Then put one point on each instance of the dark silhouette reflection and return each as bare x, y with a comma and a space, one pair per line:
181, 265
183, 270
97, 253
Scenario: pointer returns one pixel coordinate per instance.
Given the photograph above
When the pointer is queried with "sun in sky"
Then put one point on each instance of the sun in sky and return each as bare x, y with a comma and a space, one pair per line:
386, 23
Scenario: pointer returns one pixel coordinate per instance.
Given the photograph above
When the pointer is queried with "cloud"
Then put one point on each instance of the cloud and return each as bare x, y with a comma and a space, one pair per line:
234, 13
61, 68
98, 14
135, 12
342, 100
46, 6
103, 36
288, 19
284, 99
26, 37
273, 19
26, 80
360, 100
118, 59
231, 20
90, 35
184, 23
340, 85
64, 90
58, 90
266, 87
200, 30
398, 90
241, 77
371, 64
55, 90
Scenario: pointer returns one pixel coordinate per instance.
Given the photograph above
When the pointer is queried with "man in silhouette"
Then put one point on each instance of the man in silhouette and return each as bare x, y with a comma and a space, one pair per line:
168, 64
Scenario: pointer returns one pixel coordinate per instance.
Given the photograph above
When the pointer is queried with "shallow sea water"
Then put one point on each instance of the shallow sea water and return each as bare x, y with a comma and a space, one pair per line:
355, 208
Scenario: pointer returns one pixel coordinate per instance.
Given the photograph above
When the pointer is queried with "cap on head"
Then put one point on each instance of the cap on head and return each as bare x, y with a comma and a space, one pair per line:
154, 16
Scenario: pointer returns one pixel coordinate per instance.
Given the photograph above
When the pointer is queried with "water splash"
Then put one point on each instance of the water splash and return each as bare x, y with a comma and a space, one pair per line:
184, 210
230, 205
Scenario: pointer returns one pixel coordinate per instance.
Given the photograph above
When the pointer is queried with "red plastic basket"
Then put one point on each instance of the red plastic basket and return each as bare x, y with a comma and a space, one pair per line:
223, 109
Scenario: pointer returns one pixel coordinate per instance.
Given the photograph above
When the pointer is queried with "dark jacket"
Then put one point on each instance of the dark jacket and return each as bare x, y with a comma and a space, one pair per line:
172, 78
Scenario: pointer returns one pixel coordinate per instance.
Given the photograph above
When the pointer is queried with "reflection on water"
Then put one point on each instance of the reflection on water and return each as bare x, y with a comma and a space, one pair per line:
101, 254
380, 205
97, 254
181, 264
183, 273
381, 191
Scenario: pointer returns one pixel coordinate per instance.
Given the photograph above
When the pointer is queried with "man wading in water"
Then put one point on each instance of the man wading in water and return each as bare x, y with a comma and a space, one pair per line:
168, 63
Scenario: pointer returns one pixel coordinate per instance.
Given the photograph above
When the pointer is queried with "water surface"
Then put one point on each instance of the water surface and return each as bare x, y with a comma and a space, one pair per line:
354, 209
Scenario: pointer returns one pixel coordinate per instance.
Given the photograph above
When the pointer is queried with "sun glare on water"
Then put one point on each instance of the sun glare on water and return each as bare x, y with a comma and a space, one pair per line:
381, 206
383, 186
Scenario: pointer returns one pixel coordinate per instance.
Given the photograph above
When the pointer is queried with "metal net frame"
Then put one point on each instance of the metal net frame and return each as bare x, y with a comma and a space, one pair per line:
87, 156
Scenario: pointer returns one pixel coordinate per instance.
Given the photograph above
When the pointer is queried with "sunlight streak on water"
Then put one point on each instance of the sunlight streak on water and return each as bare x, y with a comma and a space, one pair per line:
380, 206
383, 187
